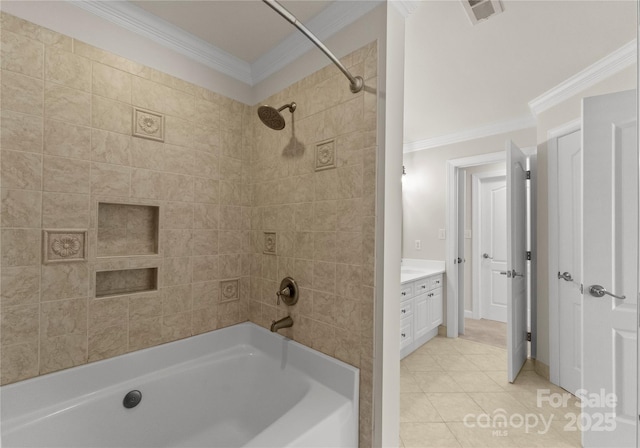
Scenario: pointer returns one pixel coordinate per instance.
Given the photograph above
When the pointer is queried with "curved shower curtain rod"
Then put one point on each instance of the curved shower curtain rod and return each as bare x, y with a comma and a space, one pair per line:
357, 83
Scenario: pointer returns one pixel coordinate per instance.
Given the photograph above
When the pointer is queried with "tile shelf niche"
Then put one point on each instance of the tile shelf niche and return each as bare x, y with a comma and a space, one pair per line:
127, 229
126, 281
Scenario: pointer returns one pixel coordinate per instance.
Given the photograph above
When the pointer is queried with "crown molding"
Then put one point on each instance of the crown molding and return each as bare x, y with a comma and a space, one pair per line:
335, 17
141, 22
405, 7
472, 134
620, 59
328, 22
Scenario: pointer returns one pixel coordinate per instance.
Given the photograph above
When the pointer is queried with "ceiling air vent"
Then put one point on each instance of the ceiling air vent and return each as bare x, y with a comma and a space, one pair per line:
479, 10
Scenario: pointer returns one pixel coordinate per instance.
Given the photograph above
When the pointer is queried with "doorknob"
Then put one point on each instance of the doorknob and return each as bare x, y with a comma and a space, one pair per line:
514, 274
507, 273
486, 255
599, 291
565, 276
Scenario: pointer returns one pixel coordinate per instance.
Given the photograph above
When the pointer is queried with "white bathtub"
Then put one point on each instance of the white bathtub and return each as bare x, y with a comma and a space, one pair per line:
237, 387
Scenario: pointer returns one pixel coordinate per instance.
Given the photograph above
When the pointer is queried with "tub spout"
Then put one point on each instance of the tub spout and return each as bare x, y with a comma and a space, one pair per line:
285, 322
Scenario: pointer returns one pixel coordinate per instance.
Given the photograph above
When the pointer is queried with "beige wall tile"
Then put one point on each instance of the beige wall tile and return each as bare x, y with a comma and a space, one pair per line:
66, 175
20, 286
110, 147
110, 115
19, 362
176, 326
176, 299
177, 243
67, 140
63, 317
205, 242
20, 247
21, 170
68, 69
108, 312
21, 54
205, 268
145, 306
146, 184
178, 215
111, 180
177, 187
21, 93
21, 208
65, 211
62, 352
178, 159
204, 319
177, 271
66, 104
147, 154
178, 131
20, 132
35, 32
145, 333
107, 342
19, 324
205, 216
206, 190
111, 83
65, 281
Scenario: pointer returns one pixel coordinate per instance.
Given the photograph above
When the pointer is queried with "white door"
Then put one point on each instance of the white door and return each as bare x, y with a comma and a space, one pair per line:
462, 183
516, 260
493, 248
569, 243
610, 247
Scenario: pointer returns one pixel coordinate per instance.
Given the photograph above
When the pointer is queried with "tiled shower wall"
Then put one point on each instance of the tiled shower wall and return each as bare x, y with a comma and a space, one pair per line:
226, 186
66, 141
314, 191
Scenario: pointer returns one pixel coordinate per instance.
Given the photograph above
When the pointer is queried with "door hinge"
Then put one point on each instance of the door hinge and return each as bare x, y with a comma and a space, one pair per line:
529, 336
529, 255
528, 174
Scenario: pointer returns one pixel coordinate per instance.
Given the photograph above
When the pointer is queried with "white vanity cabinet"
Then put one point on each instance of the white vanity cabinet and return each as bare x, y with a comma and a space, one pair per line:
420, 311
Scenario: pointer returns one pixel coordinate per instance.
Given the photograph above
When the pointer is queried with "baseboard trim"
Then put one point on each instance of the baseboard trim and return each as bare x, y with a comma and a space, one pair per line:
541, 369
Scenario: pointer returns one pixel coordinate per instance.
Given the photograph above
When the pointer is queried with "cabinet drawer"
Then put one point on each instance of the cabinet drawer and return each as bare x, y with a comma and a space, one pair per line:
406, 309
406, 291
422, 285
435, 281
406, 332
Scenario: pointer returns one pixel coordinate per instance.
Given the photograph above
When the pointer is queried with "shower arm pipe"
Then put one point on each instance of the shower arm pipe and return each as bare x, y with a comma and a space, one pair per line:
357, 83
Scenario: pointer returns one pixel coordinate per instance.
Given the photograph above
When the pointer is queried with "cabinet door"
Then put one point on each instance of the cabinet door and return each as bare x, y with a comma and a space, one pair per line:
421, 314
435, 308
406, 332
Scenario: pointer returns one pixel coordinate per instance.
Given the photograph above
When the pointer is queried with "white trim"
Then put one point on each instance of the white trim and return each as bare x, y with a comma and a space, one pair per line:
451, 230
335, 17
139, 21
471, 134
615, 62
553, 228
405, 7
468, 314
476, 216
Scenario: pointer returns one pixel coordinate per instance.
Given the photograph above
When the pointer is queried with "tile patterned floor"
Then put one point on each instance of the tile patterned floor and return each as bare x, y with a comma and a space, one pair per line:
455, 393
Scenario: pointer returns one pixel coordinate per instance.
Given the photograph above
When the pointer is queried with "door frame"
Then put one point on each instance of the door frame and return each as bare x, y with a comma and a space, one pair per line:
455, 304
476, 207
553, 228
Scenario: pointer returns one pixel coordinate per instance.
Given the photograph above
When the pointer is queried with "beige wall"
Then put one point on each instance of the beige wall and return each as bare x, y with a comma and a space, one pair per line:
66, 144
324, 219
555, 117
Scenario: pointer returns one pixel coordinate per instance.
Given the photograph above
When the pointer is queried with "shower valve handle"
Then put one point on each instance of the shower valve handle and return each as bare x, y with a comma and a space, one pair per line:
285, 292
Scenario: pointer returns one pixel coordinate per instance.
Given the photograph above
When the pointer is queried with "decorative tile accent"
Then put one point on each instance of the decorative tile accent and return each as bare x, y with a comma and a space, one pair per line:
64, 245
148, 124
229, 290
270, 243
325, 155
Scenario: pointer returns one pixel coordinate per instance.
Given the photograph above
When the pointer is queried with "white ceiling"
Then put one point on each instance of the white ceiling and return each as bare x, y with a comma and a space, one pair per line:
246, 29
459, 77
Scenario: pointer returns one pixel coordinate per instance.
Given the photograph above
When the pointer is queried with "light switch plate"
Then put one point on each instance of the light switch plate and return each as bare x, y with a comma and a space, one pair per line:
441, 234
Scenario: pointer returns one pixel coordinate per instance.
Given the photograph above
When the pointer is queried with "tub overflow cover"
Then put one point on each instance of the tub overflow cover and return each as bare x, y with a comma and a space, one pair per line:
132, 399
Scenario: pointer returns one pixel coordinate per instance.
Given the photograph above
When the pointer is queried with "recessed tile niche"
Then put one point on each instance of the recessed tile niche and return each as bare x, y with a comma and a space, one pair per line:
127, 229
126, 281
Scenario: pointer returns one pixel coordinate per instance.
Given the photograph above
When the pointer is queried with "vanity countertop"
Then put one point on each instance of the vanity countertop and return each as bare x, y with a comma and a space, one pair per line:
413, 269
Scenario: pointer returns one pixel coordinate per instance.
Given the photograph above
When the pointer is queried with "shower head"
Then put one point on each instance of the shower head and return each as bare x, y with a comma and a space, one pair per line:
272, 117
